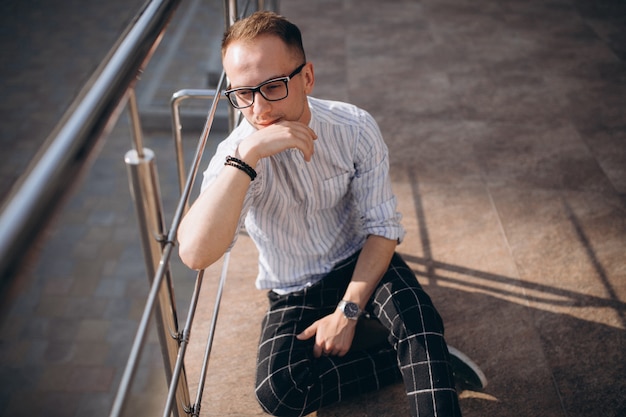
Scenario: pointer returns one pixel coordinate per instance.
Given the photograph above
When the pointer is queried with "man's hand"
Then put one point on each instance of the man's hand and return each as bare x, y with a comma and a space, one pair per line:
276, 138
333, 335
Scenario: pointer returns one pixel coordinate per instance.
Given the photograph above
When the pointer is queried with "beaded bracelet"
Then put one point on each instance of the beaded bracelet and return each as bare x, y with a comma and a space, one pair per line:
238, 163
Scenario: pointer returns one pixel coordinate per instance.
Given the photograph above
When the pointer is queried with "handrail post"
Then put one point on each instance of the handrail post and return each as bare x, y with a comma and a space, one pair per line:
144, 187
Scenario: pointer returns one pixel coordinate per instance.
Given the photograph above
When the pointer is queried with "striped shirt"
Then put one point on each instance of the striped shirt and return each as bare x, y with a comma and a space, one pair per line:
304, 217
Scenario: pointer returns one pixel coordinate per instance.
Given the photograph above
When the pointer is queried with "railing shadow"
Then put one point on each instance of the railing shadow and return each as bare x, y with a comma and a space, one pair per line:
528, 291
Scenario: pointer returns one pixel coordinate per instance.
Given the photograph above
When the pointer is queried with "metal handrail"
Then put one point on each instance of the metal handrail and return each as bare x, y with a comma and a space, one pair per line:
186, 186
69, 148
143, 172
168, 243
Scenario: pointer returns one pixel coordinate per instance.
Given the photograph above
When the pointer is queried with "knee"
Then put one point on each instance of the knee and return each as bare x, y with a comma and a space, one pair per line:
413, 313
423, 319
281, 392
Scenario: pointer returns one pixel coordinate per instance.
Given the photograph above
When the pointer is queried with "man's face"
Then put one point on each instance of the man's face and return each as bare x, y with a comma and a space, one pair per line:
248, 64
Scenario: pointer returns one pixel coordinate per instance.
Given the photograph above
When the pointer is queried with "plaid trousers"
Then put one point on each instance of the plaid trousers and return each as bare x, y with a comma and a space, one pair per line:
290, 381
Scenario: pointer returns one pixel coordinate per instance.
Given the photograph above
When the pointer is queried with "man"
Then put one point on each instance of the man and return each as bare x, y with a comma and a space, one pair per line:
310, 179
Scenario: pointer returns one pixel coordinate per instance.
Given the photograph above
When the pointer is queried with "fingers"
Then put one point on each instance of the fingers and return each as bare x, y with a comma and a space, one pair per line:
277, 138
331, 338
321, 347
304, 139
318, 350
308, 333
328, 349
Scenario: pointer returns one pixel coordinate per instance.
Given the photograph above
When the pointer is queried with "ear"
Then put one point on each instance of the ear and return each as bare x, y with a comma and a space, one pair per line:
308, 76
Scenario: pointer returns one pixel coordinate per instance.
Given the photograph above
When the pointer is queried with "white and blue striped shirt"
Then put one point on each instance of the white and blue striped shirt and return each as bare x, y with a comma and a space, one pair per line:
304, 217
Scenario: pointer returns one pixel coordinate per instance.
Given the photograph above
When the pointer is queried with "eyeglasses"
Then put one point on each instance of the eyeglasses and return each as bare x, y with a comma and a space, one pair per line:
272, 90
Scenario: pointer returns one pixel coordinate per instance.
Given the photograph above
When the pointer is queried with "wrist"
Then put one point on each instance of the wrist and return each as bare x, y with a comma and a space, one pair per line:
350, 310
241, 165
246, 154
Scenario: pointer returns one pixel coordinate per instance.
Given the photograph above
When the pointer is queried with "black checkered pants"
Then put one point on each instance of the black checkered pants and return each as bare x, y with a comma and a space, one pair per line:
291, 382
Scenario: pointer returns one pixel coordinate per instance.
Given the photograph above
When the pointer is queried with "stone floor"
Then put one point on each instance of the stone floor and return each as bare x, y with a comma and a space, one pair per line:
506, 123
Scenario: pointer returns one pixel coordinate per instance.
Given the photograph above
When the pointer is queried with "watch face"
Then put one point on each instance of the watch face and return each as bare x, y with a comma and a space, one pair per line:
351, 310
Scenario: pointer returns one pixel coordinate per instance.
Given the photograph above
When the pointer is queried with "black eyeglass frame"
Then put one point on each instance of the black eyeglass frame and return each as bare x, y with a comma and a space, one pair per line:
257, 89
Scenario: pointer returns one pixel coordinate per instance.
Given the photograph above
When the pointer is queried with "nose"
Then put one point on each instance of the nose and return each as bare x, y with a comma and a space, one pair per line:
260, 104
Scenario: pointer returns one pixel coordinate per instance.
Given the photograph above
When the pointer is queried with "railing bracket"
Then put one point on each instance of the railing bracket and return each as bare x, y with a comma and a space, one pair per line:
178, 336
193, 410
160, 237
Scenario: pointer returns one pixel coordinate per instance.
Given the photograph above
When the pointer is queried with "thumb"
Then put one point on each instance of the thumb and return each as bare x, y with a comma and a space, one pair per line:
308, 333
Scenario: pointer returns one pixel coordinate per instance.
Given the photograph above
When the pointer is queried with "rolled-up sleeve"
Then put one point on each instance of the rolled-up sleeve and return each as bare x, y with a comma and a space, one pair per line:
371, 186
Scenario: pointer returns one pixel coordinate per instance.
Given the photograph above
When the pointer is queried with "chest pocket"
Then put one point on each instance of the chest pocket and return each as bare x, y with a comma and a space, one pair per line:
330, 192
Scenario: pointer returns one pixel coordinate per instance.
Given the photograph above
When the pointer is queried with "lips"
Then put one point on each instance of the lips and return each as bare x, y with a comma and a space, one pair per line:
266, 123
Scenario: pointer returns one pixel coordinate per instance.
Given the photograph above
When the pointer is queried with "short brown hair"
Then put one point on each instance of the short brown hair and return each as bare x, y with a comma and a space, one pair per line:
265, 23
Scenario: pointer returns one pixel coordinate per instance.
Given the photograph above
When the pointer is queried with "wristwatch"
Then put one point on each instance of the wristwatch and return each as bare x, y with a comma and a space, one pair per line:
350, 310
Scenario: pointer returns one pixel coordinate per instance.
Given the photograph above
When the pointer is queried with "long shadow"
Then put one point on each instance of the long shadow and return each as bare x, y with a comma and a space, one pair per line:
562, 297
591, 254
528, 290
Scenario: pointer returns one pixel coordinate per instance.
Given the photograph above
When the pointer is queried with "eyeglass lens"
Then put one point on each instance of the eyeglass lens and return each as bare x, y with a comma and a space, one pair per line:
271, 91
